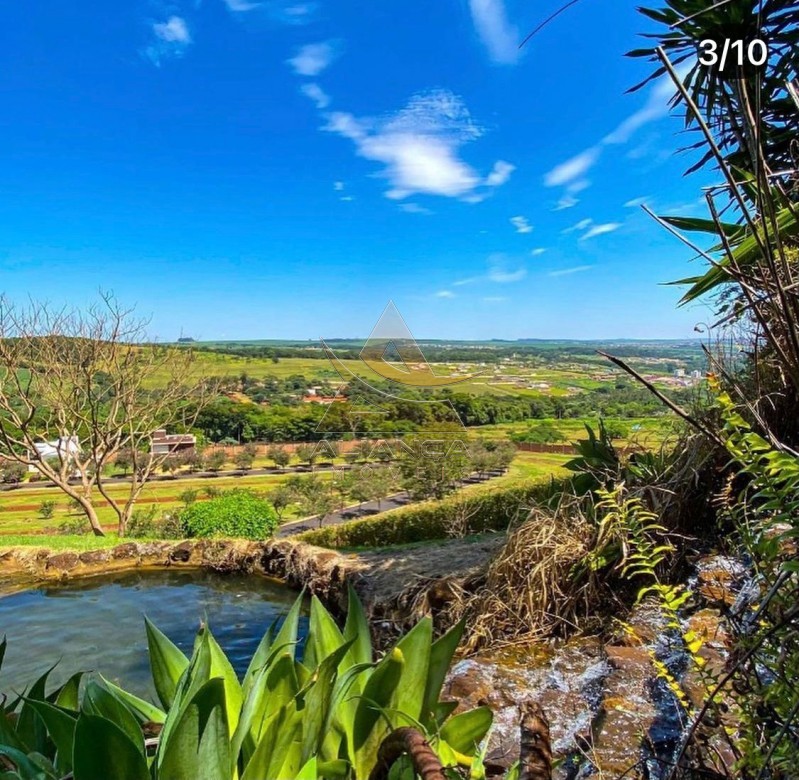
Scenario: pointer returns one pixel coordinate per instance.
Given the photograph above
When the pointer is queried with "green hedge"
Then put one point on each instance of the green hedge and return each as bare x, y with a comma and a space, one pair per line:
236, 513
492, 510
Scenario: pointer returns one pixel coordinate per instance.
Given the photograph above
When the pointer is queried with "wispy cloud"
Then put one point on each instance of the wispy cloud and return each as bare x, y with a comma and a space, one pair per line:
573, 169
538, 251
414, 208
636, 202
522, 224
569, 271
241, 6
500, 173
315, 93
444, 294
656, 107
600, 230
567, 201
312, 59
171, 39
499, 37
419, 146
583, 224
338, 186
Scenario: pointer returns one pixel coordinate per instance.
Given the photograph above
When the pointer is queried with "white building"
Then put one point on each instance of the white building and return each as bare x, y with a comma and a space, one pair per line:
65, 449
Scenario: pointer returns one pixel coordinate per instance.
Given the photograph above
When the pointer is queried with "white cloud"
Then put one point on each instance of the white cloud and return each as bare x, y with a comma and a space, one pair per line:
172, 38
656, 107
538, 251
338, 186
414, 208
312, 59
583, 224
567, 201
239, 6
315, 93
445, 294
497, 34
521, 224
568, 271
600, 230
347, 198
636, 202
573, 169
500, 173
418, 146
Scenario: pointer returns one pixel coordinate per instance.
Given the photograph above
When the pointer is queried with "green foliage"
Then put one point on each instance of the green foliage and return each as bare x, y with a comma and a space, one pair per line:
491, 510
47, 509
235, 513
323, 717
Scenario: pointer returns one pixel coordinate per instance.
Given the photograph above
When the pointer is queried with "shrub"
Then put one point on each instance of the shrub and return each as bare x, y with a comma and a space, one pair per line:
188, 496
492, 510
234, 513
143, 523
47, 509
12, 472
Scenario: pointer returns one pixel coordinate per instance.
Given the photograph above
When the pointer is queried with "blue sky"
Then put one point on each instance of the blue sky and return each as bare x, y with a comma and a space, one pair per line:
283, 168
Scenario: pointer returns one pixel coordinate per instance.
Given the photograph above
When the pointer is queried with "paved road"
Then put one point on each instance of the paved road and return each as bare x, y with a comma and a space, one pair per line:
362, 511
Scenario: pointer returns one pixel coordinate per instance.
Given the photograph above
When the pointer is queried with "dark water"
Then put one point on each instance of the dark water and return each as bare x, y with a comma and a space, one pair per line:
97, 625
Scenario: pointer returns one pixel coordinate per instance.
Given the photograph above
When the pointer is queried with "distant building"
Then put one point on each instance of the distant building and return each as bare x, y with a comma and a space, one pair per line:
65, 449
163, 443
679, 373
696, 374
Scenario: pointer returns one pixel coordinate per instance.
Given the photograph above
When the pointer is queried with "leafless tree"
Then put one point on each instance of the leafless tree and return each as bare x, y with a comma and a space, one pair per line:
91, 383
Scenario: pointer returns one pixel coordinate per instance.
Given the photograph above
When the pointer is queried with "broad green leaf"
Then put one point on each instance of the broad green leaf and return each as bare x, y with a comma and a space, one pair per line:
68, 696
356, 630
317, 713
324, 636
221, 667
104, 752
142, 710
273, 749
308, 772
260, 657
102, 703
167, 664
415, 647
8, 735
441, 654
60, 728
30, 729
370, 724
289, 630
198, 748
26, 767
464, 732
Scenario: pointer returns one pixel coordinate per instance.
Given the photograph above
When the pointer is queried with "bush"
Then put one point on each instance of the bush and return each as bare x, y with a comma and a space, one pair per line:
492, 510
47, 509
234, 513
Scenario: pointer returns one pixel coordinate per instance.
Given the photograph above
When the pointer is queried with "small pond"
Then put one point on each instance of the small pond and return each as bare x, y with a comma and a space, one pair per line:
97, 624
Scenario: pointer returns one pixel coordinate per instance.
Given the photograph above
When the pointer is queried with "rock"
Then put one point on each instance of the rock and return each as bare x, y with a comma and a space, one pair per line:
95, 557
181, 553
126, 550
63, 561
719, 579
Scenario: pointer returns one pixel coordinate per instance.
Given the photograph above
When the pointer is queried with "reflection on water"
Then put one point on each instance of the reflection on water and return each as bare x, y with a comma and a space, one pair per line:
97, 624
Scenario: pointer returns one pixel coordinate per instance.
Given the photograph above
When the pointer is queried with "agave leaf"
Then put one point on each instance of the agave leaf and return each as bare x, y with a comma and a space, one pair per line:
356, 630
324, 636
260, 657
198, 748
274, 688
167, 664
415, 647
26, 767
30, 729
104, 752
60, 728
68, 695
339, 769
274, 747
142, 710
464, 732
102, 703
196, 675
3, 646
8, 735
441, 653
308, 771
221, 667
289, 630
317, 713
368, 728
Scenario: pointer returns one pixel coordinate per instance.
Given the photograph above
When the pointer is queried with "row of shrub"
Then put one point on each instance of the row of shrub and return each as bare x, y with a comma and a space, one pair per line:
477, 512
